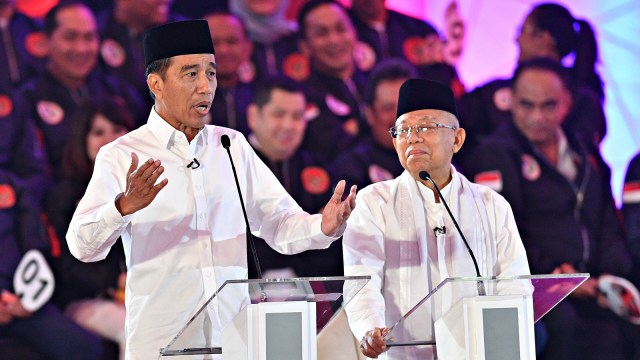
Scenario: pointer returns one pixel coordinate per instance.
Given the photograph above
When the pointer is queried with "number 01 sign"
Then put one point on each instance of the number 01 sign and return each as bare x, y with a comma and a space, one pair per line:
33, 281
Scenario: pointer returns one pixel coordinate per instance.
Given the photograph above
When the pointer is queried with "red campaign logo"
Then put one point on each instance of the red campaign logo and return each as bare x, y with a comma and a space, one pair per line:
296, 66
6, 106
315, 180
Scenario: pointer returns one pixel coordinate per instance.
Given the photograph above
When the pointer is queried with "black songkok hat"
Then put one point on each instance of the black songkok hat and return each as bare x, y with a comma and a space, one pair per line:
421, 94
177, 38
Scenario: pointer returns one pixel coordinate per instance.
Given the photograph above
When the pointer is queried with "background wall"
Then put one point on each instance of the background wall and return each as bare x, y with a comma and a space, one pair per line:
491, 51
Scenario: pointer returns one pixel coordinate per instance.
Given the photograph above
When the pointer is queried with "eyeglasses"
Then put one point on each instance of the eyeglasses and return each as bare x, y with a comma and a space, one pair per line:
403, 131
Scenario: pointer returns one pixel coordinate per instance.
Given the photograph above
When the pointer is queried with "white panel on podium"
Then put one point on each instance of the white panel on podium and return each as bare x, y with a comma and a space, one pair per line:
264, 319
487, 327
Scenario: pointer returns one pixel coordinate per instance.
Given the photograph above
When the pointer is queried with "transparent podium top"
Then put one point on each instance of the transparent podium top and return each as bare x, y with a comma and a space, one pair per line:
416, 326
201, 334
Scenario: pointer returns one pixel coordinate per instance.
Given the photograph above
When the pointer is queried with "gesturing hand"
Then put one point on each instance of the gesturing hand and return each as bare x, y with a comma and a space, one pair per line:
141, 185
336, 212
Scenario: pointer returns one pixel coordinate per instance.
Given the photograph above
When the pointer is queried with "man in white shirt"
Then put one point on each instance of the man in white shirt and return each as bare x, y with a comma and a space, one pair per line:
390, 234
184, 235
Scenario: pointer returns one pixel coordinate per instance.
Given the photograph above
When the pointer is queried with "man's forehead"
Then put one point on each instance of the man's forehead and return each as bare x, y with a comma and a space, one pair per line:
426, 115
195, 59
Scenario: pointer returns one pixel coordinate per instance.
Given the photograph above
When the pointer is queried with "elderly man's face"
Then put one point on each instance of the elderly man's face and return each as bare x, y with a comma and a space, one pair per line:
330, 39
73, 45
540, 104
279, 125
184, 95
431, 150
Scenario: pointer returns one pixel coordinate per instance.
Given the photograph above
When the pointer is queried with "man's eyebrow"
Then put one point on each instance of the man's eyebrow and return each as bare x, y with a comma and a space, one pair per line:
188, 67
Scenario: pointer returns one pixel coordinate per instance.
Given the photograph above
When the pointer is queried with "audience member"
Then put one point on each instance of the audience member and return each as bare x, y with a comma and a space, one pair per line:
23, 180
274, 36
335, 85
90, 294
389, 235
121, 29
373, 158
277, 121
185, 235
558, 186
548, 31
22, 48
235, 89
70, 78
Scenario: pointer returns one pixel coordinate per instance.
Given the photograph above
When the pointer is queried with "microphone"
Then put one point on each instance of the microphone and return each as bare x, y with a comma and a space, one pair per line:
194, 164
226, 143
426, 177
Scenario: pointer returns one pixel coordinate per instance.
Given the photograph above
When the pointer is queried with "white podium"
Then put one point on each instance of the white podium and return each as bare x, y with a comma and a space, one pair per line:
270, 319
497, 325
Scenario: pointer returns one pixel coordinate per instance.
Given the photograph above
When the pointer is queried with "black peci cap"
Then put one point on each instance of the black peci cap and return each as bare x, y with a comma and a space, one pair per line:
177, 38
421, 94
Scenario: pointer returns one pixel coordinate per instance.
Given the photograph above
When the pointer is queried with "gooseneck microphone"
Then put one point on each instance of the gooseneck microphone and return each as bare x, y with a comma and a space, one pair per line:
426, 177
226, 143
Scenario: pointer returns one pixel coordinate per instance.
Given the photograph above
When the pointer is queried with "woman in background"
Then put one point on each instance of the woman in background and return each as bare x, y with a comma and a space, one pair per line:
92, 294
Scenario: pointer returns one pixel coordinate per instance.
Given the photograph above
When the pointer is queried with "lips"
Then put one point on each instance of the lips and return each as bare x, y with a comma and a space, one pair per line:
203, 107
414, 152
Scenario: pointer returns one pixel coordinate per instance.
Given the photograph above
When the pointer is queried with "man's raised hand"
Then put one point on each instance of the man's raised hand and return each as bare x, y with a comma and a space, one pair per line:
141, 185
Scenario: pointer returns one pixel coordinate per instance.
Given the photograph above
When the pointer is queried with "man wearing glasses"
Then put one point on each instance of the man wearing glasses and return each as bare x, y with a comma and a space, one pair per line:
402, 236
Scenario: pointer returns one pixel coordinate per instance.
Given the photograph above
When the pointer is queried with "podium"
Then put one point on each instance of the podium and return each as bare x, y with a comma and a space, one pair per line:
264, 319
483, 318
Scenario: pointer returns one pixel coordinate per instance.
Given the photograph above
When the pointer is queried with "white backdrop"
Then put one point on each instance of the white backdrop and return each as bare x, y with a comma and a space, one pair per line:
491, 51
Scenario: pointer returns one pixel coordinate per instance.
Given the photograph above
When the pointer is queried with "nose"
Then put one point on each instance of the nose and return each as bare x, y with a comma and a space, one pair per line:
206, 85
413, 136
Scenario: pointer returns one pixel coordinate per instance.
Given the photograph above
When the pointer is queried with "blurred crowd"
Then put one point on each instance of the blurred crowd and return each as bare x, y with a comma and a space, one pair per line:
313, 85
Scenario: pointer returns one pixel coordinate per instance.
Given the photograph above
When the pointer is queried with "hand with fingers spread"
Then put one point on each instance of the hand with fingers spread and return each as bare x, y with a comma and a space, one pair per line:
336, 212
141, 186
373, 343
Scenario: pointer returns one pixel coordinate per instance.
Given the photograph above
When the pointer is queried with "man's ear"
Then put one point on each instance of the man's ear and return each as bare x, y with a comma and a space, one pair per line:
460, 136
252, 116
154, 82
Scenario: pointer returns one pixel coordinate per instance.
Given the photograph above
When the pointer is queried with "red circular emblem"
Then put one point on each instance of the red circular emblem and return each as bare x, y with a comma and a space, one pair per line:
414, 50
502, 99
7, 196
315, 180
36, 44
296, 66
6, 106
351, 127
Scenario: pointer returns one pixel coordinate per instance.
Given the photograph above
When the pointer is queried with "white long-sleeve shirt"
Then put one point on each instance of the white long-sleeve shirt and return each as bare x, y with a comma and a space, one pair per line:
191, 238
389, 237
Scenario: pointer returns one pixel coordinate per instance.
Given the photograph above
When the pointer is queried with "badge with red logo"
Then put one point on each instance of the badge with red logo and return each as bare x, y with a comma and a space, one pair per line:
378, 173
631, 193
502, 99
492, 179
36, 44
6, 105
112, 53
414, 50
7, 196
364, 56
296, 66
530, 168
315, 180
50, 112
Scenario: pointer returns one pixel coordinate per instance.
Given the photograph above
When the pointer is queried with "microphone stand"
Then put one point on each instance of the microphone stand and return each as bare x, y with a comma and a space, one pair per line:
425, 176
226, 143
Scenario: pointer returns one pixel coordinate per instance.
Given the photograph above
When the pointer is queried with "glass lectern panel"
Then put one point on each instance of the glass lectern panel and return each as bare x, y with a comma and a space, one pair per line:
201, 334
416, 327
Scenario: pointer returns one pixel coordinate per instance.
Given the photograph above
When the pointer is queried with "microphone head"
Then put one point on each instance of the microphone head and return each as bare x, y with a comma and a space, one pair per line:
424, 175
226, 142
